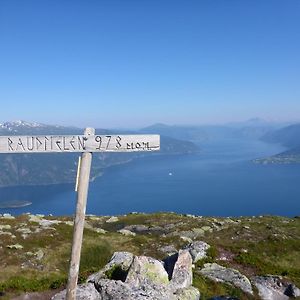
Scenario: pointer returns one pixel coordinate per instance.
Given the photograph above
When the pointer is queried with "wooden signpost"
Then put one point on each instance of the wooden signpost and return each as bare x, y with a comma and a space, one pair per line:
86, 144
78, 143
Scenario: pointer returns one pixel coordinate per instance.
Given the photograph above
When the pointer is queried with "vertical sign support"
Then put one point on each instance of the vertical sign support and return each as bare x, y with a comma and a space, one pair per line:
83, 185
86, 144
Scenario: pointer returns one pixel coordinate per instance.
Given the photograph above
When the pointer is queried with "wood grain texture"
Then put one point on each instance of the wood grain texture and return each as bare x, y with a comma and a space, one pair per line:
79, 143
82, 194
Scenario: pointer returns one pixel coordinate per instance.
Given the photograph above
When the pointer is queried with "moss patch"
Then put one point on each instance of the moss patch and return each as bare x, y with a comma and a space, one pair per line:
252, 245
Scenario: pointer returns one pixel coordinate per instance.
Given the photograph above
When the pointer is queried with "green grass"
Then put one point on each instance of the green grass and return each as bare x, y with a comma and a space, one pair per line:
209, 288
267, 245
93, 258
211, 256
32, 284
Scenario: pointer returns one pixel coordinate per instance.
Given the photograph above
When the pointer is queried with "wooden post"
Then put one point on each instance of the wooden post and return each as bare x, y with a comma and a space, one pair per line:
86, 144
83, 185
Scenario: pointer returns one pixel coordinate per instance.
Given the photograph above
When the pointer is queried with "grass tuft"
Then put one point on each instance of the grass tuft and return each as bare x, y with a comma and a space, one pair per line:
93, 258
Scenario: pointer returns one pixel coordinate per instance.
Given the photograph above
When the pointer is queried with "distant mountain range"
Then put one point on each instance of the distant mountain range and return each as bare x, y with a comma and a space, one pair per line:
289, 137
23, 169
32, 169
280, 133
253, 128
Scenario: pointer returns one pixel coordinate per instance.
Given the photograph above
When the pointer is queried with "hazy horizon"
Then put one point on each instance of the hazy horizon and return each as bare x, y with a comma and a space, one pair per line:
255, 121
134, 63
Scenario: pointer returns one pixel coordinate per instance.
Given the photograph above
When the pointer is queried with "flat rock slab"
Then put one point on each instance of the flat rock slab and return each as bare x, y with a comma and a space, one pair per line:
16, 246
274, 288
83, 292
127, 232
118, 290
7, 217
227, 275
5, 227
112, 220
223, 298
137, 228
7, 233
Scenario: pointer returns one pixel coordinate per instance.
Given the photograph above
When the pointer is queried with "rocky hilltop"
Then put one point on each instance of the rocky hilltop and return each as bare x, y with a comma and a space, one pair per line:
152, 256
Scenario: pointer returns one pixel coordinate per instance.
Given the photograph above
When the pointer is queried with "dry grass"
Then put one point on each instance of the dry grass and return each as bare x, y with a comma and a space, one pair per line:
266, 245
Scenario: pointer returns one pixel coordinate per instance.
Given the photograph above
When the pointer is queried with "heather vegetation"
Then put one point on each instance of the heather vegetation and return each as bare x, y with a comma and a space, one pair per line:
35, 250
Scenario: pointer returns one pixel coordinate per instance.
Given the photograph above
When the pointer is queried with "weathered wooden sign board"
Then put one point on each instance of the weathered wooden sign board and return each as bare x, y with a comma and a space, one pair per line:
78, 143
87, 144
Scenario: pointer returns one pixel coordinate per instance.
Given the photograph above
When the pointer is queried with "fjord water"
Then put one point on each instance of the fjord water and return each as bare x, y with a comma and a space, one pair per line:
220, 180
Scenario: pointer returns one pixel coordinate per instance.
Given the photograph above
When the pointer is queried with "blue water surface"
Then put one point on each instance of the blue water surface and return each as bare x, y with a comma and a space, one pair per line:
220, 180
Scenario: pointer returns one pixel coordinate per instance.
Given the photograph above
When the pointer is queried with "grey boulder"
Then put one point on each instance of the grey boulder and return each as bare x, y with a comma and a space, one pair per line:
198, 250
83, 292
146, 270
272, 287
221, 274
120, 261
128, 277
182, 276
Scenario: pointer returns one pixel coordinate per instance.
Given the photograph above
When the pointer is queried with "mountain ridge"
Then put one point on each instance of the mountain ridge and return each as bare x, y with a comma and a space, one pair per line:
253, 129
55, 168
289, 137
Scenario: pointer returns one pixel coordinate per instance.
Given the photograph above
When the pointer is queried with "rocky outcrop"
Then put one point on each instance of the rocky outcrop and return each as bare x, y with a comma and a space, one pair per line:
112, 219
198, 250
7, 217
5, 227
128, 277
23, 243
83, 292
140, 228
168, 249
16, 246
221, 274
146, 271
224, 298
292, 291
127, 232
182, 276
275, 288
113, 290
118, 266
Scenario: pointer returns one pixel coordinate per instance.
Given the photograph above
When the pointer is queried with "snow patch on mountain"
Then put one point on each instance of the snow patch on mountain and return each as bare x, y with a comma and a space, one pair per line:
13, 125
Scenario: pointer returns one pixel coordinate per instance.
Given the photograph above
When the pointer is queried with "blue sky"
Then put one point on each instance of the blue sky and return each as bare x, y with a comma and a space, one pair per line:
130, 63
